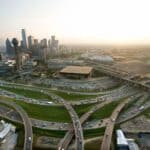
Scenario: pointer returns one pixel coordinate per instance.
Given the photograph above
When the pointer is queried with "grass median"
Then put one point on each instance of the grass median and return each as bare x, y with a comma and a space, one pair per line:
49, 113
105, 111
27, 93
73, 96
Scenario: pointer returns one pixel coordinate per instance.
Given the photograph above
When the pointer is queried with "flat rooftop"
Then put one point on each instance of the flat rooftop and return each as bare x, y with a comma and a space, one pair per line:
77, 70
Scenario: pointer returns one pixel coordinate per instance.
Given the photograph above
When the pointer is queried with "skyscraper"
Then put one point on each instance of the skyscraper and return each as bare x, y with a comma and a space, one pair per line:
36, 42
30, 41
17, 52
49, 43
54, 45
9, 48
24, 39
43, 43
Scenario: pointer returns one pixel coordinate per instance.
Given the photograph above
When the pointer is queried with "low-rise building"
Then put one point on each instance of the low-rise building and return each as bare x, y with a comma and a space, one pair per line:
78, 72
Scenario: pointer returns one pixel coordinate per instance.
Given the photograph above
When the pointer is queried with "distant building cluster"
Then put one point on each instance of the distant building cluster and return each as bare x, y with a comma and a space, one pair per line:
38, 49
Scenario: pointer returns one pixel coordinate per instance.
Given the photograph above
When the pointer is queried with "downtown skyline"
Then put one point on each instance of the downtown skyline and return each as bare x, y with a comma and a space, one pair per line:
74, 21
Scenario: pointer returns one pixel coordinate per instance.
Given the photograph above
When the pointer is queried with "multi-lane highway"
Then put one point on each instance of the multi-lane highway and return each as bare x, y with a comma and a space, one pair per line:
118, 73
70, 134
26, 121
76, 127
107, 138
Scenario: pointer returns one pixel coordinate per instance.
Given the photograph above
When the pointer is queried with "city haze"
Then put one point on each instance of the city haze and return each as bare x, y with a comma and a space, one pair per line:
76, 21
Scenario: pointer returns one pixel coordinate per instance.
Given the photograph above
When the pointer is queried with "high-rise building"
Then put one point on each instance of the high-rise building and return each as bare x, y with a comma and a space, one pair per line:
21, 43
36, 42
54, 45
24, 39
9, 48
30, 41
17, 53
43, 43
49, 43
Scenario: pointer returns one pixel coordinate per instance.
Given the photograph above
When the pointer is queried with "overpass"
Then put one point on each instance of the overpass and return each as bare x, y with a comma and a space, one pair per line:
119, 74
70, 134
26, 121
107, 138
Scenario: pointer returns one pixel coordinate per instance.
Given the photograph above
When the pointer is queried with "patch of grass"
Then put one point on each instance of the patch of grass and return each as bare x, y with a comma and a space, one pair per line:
49, 113
72, 96
20, 139
105, 111
51, 133
94, 132
93, 145
146, 113
81, 109
27, 93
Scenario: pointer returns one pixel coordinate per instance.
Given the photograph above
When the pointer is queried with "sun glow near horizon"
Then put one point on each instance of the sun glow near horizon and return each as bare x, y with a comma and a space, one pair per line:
82, 21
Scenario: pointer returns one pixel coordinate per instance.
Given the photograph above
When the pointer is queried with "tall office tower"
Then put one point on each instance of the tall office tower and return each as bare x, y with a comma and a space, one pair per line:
43, 43
9, 48
24, 39
17, 53
54, 45
52, 39
30, 41
36, 42
0, 57
49, 43
21, 43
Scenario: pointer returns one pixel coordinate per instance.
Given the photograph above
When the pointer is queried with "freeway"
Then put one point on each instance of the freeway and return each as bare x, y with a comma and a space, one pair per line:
120, 74
107, 138
139, 106
71, 111
70, 134
27, 124
76, 127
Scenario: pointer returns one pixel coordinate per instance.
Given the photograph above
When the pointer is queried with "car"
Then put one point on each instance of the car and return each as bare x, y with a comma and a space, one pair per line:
30, 138
112, 119
141, 108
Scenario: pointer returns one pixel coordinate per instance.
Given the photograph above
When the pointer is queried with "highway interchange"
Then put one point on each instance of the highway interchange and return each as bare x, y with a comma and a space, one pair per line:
76, 127
26, 121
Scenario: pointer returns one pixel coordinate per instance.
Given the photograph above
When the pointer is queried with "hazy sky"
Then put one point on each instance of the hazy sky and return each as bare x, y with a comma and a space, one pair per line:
78, 21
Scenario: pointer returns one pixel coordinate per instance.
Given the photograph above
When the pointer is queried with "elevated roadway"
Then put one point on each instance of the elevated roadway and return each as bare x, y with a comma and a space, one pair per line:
107, 138
26, 121
64, 143
119, 74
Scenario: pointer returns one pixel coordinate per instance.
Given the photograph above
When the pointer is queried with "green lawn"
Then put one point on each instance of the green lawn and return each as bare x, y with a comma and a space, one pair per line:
105, 111
72, 96
49, 113
147, 113
81, 109
27, 93
93, 145
52, 133
93, 132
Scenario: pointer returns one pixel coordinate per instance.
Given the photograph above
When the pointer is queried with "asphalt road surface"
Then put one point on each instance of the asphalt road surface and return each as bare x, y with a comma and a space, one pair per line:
107, 138
27, 124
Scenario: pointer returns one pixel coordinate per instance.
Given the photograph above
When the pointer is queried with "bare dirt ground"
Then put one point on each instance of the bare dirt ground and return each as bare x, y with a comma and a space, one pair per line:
134, 66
